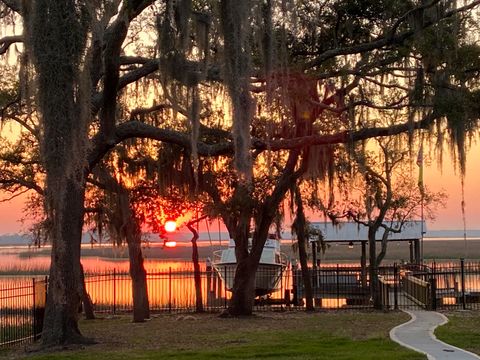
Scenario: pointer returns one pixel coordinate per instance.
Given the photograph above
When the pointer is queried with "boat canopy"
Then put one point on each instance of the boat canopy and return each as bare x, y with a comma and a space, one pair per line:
269, 244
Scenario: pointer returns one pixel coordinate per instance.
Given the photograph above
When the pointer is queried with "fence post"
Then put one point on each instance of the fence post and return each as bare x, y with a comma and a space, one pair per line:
208, 272
281, 285
295, 286
170, 289
114, 291
433, 292
462, 268
225, 286
34, 310
433, 288
396, 281
338, 287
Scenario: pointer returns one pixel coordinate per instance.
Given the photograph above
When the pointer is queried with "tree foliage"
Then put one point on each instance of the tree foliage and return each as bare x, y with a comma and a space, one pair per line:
234, 102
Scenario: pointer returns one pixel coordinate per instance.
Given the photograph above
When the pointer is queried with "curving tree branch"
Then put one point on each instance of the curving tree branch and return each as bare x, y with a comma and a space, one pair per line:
15, 5
7, 41
137, 129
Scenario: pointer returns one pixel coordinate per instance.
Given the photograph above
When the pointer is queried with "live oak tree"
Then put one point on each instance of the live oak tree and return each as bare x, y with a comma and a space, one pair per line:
22, 172
305, 105
292, 74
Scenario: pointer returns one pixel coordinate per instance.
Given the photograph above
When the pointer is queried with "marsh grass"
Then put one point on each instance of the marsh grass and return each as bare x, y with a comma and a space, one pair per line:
101, 259
284, 335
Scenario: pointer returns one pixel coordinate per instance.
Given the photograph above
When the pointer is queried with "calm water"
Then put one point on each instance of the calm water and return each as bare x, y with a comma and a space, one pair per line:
20, 261
170, 282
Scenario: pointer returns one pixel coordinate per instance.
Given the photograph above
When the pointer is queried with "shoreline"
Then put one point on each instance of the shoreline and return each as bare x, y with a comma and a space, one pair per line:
36, 262
397, 251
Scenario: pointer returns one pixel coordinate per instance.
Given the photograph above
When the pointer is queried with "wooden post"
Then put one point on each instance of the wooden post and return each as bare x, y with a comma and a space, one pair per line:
410, 246
417, 251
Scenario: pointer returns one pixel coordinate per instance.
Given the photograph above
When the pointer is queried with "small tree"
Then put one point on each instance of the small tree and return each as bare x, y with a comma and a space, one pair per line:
196, 264
300, 228
387, 197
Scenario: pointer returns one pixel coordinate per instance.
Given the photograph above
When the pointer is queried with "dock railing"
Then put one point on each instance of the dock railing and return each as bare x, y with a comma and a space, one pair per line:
417, 290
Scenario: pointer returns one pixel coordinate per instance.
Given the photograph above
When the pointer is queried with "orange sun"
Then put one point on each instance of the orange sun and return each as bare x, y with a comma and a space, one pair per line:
170, 226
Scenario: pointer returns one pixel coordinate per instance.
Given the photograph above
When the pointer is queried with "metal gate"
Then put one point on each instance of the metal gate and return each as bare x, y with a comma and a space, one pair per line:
433, 286
406, 287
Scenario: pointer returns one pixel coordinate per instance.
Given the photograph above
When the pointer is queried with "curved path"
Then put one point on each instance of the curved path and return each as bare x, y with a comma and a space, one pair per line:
417, 334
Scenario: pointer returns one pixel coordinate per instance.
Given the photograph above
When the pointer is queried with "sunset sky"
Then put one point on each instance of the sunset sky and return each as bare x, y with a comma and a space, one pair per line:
449, 218
449, 180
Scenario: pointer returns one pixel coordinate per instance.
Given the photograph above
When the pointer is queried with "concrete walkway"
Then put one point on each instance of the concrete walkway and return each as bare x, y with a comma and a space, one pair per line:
417, 334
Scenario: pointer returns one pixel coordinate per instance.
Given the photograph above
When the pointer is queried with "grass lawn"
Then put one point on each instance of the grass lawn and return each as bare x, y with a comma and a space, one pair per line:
286, 335
462, 330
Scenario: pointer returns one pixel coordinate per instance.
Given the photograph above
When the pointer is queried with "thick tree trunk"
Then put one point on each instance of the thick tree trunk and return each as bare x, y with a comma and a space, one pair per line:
138, 274
141, 306
243, 292
64, 288
57, 56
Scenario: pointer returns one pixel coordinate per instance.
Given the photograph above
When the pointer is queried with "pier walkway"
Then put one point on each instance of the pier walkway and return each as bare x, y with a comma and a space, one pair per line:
417, 334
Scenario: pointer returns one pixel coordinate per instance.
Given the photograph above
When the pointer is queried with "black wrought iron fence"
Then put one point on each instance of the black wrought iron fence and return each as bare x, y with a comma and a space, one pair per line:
454, 285
334, 287
22, 305
174, 290
457, 285
432, 286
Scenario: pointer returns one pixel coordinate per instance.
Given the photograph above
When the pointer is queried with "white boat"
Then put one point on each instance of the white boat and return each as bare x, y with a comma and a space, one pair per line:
270, 269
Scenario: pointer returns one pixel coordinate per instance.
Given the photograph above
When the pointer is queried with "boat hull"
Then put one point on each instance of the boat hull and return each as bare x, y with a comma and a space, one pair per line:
267, 279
